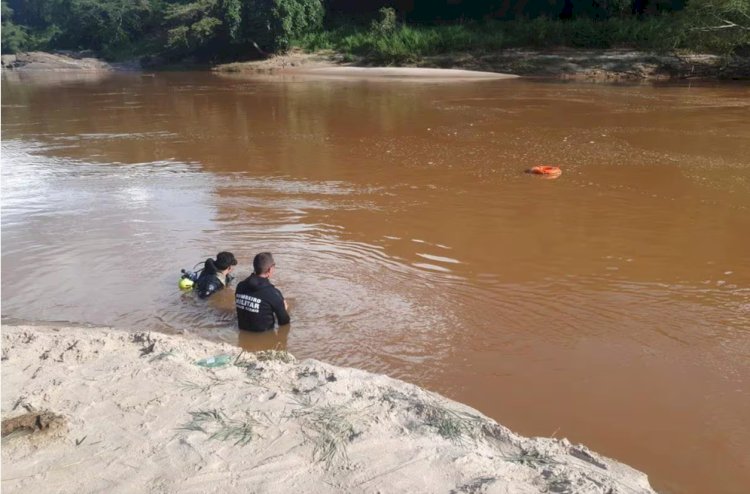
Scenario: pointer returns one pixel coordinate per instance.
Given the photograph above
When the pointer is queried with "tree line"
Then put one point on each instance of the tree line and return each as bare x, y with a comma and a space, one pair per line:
228, 29
173, 27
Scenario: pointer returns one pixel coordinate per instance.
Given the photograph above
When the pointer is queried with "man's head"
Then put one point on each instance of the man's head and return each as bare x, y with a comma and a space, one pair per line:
263, 264
224, 261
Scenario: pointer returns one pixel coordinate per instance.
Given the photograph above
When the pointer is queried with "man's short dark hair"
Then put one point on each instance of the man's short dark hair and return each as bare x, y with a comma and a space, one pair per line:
224, 260
263, 262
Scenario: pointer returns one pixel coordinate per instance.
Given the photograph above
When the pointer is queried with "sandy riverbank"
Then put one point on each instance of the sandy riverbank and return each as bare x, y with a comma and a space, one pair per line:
132, 412
565, 63
39, 61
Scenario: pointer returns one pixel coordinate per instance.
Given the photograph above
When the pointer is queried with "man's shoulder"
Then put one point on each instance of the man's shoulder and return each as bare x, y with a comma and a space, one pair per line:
268, 292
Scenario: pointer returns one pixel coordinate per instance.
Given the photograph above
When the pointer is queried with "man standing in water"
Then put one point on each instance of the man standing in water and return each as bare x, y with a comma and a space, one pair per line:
257, 300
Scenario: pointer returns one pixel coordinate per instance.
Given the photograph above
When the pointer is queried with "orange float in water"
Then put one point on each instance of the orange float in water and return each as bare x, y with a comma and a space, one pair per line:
546, 171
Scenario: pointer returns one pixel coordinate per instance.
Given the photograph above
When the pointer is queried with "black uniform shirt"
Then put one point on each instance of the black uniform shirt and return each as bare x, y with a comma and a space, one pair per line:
257, 301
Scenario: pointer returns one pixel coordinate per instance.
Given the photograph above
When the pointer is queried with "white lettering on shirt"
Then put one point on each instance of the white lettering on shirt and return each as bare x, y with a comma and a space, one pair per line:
248, 303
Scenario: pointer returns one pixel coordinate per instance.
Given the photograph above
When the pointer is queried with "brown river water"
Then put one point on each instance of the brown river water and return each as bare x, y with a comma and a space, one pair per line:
610, 306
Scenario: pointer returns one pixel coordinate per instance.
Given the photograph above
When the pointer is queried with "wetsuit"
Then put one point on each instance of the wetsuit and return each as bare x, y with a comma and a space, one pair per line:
258, 301
210, 281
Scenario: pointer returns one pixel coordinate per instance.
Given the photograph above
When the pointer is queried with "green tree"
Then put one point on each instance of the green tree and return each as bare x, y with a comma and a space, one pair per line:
15, 38
232, 10
385, 25
719, 25
213, 27
85, 24
272, 25
193, 25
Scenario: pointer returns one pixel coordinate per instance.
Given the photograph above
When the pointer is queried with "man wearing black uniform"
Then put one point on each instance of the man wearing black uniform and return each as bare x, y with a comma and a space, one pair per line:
215, 274
257, 300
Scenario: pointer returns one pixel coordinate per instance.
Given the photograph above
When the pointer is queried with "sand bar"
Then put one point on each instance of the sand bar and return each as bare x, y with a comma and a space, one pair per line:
403, 73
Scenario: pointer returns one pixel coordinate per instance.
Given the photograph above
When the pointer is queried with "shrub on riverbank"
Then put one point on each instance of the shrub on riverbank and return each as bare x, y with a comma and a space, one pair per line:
693, 30
720, 26
409, 43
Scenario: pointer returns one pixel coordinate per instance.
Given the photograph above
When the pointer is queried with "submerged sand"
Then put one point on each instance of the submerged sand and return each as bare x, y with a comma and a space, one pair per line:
133, 412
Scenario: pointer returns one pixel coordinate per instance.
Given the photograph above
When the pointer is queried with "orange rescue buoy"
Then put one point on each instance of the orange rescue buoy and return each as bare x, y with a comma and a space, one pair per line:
546, 171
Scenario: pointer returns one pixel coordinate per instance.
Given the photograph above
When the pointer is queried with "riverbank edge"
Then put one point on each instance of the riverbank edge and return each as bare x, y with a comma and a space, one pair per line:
560, 64
263, 421
564, 64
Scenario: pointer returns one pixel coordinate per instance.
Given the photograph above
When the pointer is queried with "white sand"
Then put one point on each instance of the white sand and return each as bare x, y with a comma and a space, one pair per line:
267, 426
404, 73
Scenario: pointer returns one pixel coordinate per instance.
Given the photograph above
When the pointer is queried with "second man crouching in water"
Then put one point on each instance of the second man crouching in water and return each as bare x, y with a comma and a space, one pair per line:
257, 300
215, 274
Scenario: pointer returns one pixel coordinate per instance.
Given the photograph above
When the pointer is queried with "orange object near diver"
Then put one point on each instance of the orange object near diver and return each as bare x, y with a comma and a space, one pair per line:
546, 171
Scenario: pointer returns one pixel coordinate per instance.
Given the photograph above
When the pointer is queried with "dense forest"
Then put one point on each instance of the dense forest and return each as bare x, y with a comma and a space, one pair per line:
391, 30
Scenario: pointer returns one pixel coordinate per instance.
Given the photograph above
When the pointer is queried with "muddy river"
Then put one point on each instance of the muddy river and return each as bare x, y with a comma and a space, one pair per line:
610, 306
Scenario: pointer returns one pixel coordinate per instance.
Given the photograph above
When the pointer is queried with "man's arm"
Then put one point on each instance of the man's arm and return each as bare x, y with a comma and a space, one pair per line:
279, 308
